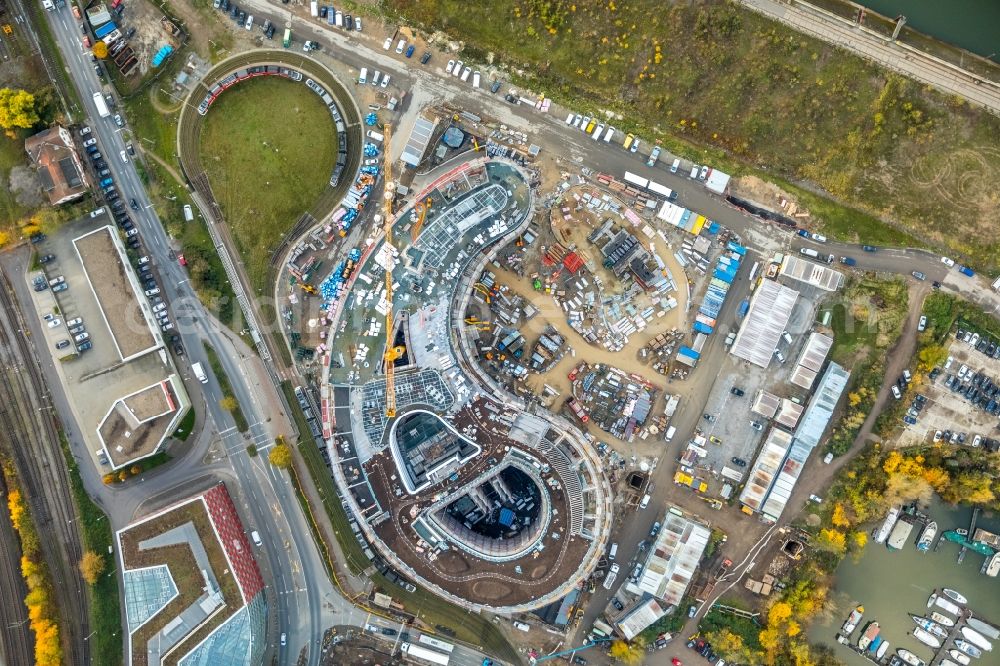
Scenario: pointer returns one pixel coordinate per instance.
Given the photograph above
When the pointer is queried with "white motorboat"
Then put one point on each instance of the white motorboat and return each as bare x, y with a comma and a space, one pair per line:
852, 620
890, 520
942, 619
926, 638
882, 649
943, 603
927, 537
910, 658
977, 639
968, 648
929, 625
993, 568
960, 657
957, 597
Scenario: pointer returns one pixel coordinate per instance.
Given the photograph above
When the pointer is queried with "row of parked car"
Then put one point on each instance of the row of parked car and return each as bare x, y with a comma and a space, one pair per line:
76, 329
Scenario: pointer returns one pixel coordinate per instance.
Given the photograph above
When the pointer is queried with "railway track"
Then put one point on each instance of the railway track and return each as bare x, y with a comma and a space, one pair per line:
29, 433
16, 646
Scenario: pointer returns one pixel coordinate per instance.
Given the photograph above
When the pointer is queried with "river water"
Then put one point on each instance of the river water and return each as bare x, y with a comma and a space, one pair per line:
893, 585
973, 25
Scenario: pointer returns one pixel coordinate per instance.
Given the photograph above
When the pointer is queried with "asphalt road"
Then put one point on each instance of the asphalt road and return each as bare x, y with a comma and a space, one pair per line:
298, 581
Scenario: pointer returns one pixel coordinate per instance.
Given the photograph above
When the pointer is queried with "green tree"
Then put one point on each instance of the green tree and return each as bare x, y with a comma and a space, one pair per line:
17, 109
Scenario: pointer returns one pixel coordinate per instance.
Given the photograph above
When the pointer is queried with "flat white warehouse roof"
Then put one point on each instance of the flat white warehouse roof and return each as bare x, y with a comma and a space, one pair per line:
811, 273
769, 312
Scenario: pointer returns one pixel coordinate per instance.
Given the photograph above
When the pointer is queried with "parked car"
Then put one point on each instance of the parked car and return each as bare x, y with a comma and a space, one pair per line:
737, 391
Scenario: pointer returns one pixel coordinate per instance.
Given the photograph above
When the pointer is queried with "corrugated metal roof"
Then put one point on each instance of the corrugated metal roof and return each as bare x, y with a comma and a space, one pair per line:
765, 468
820, 410
811, 273
420, 138
769, 312
766, 404
803, 376
815, 350
673, 558
789, 413
643, 615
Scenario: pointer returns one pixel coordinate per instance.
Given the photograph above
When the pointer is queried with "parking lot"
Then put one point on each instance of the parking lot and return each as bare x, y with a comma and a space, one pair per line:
96, 377
962, 400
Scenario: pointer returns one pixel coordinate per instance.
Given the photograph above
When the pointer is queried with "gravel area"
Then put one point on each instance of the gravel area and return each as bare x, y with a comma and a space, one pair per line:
121, 307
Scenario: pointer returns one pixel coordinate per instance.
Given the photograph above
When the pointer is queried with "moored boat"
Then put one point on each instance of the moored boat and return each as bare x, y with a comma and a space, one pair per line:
993, 568
926, 638
927, 537
976, 638
890, 520
882, 649
942, 619
910, 658
941, 602
871, 631
930, 626
987, 630
852, 620
960, 657
957, 597
875, 644
947, 662
968, 648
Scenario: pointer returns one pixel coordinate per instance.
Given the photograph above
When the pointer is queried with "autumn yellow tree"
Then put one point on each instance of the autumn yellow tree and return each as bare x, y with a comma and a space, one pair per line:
281, 454
631, 653
229, 403
100, 50
91, 567
17, 109
831, 540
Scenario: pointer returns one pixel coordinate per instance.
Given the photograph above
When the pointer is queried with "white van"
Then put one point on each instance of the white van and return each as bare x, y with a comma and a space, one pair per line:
375, 77
675, 166
570, 118
256, 538
475, 79
613, 551
645, 501
363, 76
375, 136
694, 171
609, 134
465, 74
338, 19
671, 431
400, 46
786, 337
598, 131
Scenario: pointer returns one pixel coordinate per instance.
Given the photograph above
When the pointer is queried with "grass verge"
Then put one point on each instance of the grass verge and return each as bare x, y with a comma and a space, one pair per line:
226, 387
472, 629
266, 165
95, 530
185, 427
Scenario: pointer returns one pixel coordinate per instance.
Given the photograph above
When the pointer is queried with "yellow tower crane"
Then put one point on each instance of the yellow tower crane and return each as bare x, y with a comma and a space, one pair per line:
422, 208
391, 353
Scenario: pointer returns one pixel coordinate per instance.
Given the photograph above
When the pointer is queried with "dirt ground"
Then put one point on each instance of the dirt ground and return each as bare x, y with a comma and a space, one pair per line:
118, 301
769, 195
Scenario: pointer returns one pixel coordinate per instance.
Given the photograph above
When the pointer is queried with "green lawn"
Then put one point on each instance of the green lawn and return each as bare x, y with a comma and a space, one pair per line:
268, 146
724, 86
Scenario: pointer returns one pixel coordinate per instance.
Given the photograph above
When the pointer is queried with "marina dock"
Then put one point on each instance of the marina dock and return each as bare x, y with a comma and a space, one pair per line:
972, 530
